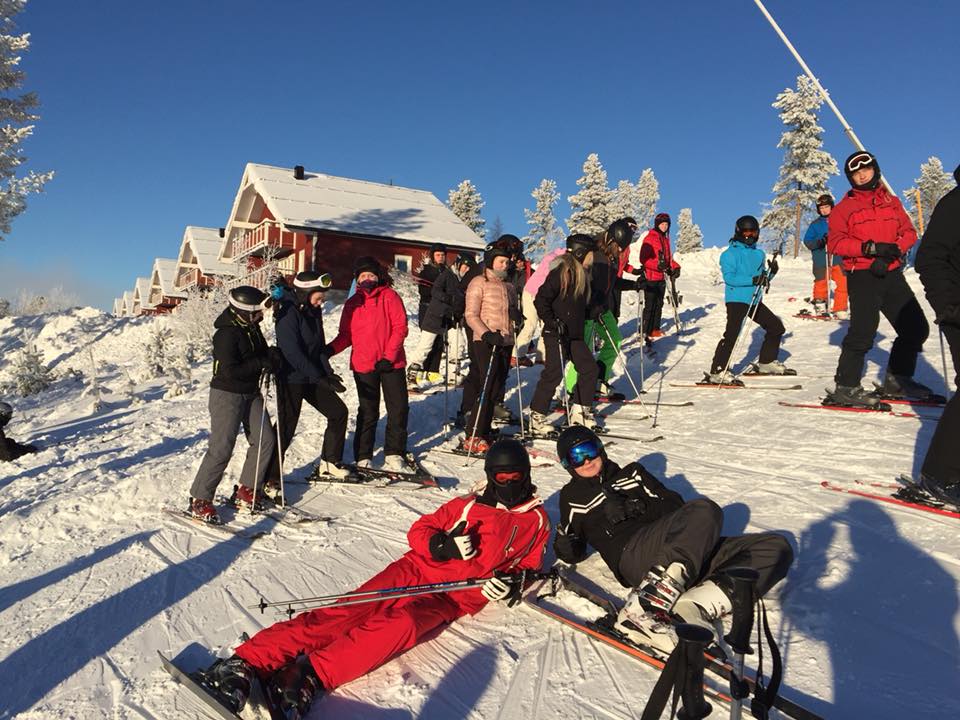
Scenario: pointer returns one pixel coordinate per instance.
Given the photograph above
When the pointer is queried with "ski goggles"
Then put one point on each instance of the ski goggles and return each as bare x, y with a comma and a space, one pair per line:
860, 160
324, 282
505, 477
264, 304
583, 453
750, 233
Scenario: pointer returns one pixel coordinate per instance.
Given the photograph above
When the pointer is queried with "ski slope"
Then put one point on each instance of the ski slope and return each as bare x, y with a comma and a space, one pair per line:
96, 579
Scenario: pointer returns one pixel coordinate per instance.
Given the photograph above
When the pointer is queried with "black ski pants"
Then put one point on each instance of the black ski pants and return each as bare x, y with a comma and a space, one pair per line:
290, 398
394, 387
691, 535
479, 386
432, 363
653, 293
764, 317
575, 351
870, 296
942, 461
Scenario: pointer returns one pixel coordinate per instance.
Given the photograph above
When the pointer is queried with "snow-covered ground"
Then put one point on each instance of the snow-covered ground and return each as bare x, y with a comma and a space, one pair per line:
96, 579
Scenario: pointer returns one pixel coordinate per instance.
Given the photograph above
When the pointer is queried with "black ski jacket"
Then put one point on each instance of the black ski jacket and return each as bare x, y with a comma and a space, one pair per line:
428, 277
571, 310
10, 449
301, 339
938, 259
582, 517
239, 354
447, 303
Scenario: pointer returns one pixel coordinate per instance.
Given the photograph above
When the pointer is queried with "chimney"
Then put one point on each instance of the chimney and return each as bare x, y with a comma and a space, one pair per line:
298, 172
222, 232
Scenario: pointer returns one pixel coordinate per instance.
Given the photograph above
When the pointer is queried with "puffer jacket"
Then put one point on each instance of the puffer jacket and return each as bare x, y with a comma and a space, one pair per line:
740, 263
239, 354
816, 241
301, 339
653, 245
938, 259
489, 301
864, 215
374, 322
543, 269
446, 303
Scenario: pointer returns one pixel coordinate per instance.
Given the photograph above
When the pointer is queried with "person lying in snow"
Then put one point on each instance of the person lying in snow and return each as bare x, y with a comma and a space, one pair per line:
10, 449
500, 533
668, 551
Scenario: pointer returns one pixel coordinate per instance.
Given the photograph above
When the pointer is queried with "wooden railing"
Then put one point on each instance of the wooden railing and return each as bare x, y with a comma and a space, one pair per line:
260, 277
268, 233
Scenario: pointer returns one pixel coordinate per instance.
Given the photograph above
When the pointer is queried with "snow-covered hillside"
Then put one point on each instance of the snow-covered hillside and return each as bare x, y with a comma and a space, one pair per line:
97, 579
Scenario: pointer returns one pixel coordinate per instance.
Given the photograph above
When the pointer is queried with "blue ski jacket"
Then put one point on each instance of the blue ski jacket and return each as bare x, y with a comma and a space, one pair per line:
816, 241
740, 263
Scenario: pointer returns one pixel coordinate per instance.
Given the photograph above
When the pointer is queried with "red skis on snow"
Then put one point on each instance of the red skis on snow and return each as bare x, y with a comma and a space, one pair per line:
843, 408
888, 499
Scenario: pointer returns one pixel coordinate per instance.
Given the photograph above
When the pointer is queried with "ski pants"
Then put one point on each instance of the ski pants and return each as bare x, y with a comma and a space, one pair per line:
479, 387
575, 351
228, 412
736, 314
290, 397
606, 330
344, 643
820, 281
394, 387
432, 361
942, 461
870, 296
653, 293
691, 535
531, 321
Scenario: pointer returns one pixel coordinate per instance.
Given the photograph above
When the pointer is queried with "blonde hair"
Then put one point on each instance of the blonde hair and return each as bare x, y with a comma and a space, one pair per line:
573, 277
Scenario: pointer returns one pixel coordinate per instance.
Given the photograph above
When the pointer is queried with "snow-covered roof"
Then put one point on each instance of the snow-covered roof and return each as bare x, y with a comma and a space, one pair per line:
201, 246
128, 302
327, 202
164, 276
141, 293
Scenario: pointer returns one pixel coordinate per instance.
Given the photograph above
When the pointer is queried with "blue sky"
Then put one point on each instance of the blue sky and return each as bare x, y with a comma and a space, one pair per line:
150, 110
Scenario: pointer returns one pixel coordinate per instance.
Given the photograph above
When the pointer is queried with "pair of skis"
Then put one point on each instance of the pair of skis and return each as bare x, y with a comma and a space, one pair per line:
378, 477
905, 493
287, 515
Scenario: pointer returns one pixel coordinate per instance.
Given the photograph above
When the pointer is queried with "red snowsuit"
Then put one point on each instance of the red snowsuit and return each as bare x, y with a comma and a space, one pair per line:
344, 643
868, 215
655, 242
374, 322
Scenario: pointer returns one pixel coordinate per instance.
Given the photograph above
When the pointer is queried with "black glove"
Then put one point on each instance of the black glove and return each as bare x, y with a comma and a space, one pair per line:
881, 250
758, 279
822, 243
491, 338
554, 327
383, 365
568, 548
335, 383
454, 545
272, 362
773, 268
949, 316
878, 268
328, 350
504, 587
641, 283
614, 506
516, 316
675, 273
594, 312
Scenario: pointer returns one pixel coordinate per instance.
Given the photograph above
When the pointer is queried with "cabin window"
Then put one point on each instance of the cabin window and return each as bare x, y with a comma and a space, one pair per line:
403, 263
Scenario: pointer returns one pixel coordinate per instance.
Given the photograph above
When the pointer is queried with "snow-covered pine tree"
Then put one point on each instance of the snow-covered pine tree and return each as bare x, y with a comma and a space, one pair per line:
4, 307
623, 201
16, 120
30, 375
689, 237
647, 199
805, 170
590, 205
192, 321
466, 204
157, 350
934, 182
544, 233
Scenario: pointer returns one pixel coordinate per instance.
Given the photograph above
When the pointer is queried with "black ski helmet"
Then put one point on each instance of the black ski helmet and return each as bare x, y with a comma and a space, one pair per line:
507, 455
825, 199
247, 301
310, 281
621, 231
495, 250
468, 259
6, 412
511, 243
573, 436
746, 222
858, 160
580, 245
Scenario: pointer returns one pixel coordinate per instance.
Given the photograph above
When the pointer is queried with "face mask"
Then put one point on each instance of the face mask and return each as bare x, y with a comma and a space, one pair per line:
367, 285
501, 274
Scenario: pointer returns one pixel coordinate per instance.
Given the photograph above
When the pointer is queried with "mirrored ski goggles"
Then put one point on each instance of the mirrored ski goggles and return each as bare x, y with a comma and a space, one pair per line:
860, 160
504, 477
324, 282
583, 453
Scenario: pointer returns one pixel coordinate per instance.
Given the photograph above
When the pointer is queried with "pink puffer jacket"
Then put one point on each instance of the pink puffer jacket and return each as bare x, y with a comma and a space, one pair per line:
488, 306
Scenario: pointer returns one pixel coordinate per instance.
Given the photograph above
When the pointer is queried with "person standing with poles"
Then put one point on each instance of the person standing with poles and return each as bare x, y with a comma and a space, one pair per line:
531, 320
426, 279
656, 259
491, 300
374, 323
870, 231
498, 534
816, 241
561, 303
746, 275
938, 263
241, 359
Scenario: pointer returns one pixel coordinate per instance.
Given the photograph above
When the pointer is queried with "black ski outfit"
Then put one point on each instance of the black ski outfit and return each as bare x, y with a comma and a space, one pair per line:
306, 375
447, 303
657, 528
938, 263
10, 449
426, 285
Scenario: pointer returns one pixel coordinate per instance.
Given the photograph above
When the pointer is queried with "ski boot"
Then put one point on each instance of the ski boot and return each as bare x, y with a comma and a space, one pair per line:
474, 445
502, 414
333, 472
413, 376
854, 396
707, 603
947, 492
902, 387
243, 499
399, 464
204, 510
272, 493
721, 378
645, 618
231, 679
294, 688
460, 421
606, 391
583, 415
539, 426
773, 368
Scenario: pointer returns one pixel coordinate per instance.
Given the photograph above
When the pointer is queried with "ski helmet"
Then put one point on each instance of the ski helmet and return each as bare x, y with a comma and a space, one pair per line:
746, 223
858, 161
507, 466
578, 441
622, 231
511, 243
662, 218
580, 245
825, 199
249, 303
467, 259
493, 251
367, 263
6, 412
310, 281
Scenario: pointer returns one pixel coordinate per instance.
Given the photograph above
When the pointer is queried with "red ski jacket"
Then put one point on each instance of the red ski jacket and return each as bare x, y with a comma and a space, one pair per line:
655, 242
375, 323
507, 539
868, 215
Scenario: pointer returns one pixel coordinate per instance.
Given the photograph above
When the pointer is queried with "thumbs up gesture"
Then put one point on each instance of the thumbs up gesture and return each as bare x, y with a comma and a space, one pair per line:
457, 544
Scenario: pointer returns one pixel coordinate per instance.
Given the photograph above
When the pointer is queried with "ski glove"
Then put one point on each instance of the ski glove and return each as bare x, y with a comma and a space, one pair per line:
491, 338
617, 507
878, 268
641, 283
383, 365
568, 548
334, 382
773, 268
674, 273
454, 545
504, 587
273, 361
554, 327
949, 316
890, 251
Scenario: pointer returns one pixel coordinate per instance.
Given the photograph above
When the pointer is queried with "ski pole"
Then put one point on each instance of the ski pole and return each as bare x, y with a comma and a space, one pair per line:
479, 406
283, 495
446, 375
563, 378
640, 308
265, 387
744, 588
623, 362
943, 359
829, 273
693, 640
516, 357
751, 312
